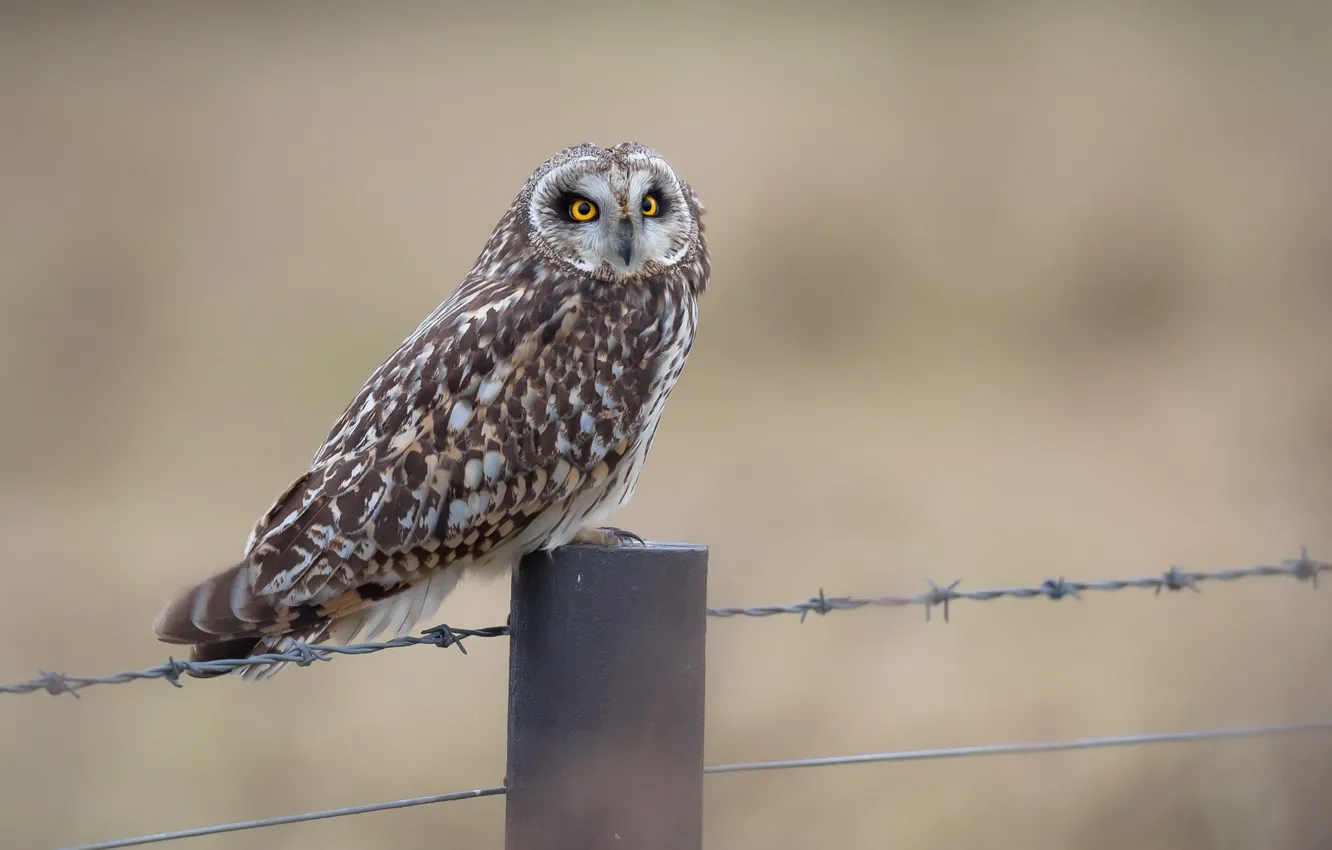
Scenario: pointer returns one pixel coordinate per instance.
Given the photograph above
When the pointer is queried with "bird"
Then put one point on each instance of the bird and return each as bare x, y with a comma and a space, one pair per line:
516, 417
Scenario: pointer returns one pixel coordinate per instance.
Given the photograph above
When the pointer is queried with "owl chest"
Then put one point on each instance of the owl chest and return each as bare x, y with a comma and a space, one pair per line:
618, 467
665, 368
659, 370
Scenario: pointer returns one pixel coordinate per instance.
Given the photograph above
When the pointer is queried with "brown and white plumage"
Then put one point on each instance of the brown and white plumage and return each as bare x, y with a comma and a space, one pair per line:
518, 413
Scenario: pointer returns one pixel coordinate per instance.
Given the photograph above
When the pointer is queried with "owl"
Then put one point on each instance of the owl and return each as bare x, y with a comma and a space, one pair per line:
516, 417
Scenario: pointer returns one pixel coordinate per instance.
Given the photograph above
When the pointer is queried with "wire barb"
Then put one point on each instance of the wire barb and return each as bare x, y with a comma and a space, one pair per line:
818, 604
1176, 579
173, 670
56, 684
443, 636
1305, 568
940, 596
1057, 589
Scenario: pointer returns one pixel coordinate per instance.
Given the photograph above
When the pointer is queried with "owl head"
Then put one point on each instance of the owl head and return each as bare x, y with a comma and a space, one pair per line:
611, 213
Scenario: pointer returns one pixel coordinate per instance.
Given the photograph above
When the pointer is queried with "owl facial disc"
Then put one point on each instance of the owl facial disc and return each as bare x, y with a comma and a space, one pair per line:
613, 213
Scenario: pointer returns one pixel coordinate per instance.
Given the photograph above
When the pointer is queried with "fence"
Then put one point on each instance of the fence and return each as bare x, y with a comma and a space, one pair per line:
606, 693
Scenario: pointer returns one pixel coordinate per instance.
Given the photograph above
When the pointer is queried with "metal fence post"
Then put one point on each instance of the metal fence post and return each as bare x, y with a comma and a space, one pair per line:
606, 699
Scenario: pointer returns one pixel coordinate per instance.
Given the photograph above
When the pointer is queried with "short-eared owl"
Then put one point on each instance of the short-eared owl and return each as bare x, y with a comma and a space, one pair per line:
516, 417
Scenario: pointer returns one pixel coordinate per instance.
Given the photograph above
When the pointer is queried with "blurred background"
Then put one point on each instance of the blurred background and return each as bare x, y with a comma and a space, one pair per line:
1053, 277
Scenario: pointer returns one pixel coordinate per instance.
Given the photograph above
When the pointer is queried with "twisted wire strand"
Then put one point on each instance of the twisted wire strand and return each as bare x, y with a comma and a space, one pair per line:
302, 654
1015, 748
1302, 568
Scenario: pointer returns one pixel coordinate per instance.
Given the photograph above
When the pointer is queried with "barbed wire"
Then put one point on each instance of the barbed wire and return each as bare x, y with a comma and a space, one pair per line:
302, 654
1303, 568
1016, 748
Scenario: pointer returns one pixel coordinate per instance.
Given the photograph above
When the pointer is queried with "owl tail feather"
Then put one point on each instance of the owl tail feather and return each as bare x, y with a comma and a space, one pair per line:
223, 619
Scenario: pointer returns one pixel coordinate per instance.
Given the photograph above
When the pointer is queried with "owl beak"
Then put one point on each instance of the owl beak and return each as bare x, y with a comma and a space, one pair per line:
624, 241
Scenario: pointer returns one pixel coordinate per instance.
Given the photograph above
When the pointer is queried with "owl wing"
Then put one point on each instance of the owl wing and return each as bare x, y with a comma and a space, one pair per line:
494, 411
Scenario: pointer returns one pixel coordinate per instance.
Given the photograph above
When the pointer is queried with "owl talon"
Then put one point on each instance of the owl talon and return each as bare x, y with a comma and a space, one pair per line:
624, 536
607, 536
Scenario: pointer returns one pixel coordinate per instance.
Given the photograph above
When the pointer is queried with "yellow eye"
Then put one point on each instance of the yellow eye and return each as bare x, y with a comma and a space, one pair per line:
582, 210
649, 205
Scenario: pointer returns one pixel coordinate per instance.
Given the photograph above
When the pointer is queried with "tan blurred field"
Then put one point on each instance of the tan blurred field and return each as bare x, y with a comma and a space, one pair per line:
1001, 295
